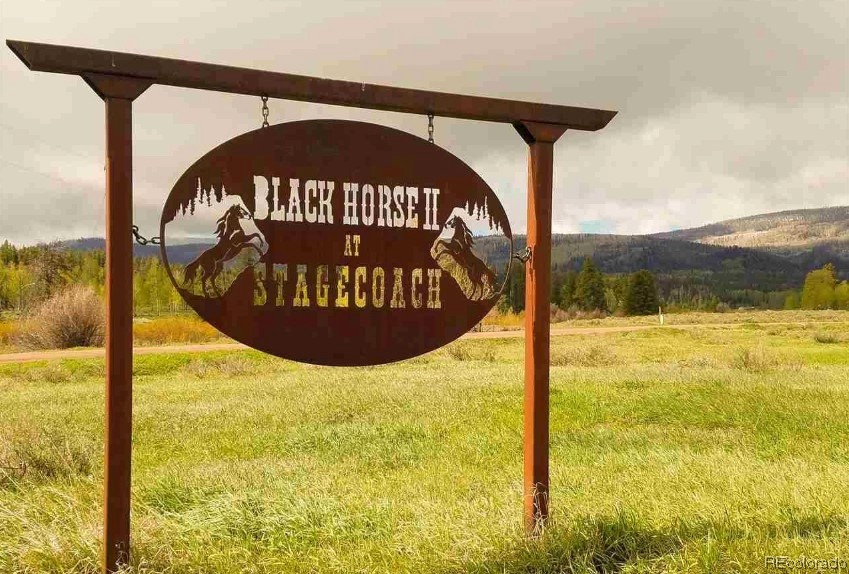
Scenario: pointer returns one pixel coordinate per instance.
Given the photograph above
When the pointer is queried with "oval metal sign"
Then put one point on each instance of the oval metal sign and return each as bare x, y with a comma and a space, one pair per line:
335, 242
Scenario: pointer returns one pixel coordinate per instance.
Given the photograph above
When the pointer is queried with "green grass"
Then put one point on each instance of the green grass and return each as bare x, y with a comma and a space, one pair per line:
672, 450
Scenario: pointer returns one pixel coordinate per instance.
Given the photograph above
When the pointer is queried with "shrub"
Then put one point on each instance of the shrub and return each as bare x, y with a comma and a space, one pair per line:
506, 319
826, 338
175, 329
8, 332
71, 318
594, 314
559, 315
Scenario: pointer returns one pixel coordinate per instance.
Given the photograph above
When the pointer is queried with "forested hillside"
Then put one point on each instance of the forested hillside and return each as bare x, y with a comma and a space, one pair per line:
705, 261
694, 268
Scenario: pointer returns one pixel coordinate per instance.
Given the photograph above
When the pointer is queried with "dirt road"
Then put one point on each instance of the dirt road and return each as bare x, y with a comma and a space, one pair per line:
207, 347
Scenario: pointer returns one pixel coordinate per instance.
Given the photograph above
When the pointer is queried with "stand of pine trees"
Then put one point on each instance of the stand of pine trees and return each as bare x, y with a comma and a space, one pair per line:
641, 297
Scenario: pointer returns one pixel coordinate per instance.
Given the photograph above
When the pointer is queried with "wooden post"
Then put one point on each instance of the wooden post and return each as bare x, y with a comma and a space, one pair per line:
540, 139
118, 93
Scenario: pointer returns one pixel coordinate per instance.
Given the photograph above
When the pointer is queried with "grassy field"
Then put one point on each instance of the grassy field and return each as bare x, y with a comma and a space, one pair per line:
704, 449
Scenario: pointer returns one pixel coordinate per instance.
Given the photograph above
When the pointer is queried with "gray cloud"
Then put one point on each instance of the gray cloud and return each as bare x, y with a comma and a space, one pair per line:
726, 108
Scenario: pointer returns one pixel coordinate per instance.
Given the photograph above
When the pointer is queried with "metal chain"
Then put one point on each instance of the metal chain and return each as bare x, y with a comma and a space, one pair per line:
142, 240
523, 255
430, 128
265, 111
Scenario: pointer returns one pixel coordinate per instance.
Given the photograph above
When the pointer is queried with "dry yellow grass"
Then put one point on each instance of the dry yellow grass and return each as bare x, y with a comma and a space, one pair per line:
174, 329
8, 330
509, 319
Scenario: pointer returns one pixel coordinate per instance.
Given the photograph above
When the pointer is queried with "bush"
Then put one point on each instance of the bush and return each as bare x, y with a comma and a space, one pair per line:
594, 314
71, 318
176, 329
826, 338
8, 332
506, 319
559, 315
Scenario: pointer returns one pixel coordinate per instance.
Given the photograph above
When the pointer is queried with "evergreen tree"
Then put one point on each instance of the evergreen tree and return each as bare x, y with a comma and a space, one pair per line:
620, 287
5, 287
503, 305
567, 290
516, 288
641, 297
611, 302
589, 288
818, 292
556, 286
8, 253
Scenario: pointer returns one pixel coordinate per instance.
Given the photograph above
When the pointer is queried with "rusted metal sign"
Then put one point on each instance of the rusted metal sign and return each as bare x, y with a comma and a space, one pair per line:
336, 242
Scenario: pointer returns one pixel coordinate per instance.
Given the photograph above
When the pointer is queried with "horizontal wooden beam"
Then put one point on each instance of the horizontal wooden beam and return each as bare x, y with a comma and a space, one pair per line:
214, 77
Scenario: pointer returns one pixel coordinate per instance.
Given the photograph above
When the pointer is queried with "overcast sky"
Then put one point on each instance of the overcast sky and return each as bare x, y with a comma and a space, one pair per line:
725, 108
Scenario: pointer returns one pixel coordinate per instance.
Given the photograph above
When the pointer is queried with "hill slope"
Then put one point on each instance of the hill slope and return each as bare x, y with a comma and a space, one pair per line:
182, 254
729, 267
770, 251
789, 231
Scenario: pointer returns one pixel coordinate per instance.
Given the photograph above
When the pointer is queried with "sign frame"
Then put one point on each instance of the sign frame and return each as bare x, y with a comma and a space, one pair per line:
119, 78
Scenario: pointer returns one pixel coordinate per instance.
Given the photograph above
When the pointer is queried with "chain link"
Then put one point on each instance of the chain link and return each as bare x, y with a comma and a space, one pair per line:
523, 255
265, 111
142, 240
430, 128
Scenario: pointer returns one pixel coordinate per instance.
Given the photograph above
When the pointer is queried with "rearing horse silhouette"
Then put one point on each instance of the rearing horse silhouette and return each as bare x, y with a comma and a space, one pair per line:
460, 246
462, 240
231, 241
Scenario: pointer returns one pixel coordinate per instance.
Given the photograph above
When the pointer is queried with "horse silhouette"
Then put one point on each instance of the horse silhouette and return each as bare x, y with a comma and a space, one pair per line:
232, 240
455, 255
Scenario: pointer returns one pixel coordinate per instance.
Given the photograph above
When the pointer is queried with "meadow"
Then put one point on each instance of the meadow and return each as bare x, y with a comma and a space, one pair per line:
702, 449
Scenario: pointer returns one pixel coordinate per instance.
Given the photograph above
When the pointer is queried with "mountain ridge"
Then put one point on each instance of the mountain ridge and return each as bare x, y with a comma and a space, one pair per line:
784, 230
789, 244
